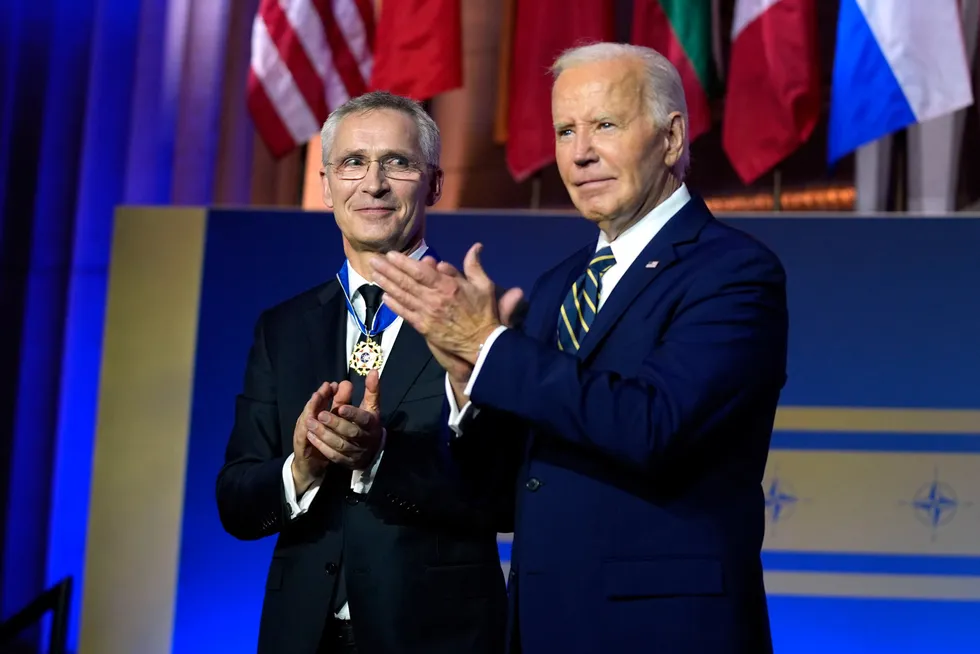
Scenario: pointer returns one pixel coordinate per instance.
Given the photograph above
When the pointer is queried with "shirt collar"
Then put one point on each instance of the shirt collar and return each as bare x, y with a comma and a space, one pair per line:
627, 247
355, 281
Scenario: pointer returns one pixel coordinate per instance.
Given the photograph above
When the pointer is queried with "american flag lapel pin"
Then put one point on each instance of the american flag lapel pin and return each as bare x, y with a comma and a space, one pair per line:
652, 264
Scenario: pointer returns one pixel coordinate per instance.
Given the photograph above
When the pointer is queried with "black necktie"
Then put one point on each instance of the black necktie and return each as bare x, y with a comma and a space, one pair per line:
372, 300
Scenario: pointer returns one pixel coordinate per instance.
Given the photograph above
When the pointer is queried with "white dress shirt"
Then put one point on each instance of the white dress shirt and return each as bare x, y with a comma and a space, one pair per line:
626, 248
360, 479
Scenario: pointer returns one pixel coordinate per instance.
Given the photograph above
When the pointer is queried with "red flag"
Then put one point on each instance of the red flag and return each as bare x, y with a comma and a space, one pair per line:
773, 97
419, 52
542, 30
308, 57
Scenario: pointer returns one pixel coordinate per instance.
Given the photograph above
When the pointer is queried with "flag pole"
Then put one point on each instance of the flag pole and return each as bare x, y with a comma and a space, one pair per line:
777, 190
536, 191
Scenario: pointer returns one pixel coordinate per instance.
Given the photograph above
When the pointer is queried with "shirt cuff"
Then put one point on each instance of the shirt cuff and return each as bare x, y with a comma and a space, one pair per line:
456, 416
361, 480
484, 350
297, 506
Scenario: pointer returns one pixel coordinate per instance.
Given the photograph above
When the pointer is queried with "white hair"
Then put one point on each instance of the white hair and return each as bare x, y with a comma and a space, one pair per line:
429, 139
664, 89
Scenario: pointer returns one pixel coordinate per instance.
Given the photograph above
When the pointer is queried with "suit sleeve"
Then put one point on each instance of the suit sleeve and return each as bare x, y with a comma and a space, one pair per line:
724, 348
251, 502
462, 484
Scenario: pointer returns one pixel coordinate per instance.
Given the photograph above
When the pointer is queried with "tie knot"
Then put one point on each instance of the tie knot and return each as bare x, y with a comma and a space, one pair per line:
602, 261
372, 301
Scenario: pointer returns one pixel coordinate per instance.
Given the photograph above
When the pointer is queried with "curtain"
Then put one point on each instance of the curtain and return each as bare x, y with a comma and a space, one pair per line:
102, 103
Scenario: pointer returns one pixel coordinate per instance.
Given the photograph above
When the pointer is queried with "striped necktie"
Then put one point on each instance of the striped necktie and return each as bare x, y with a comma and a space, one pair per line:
582, 303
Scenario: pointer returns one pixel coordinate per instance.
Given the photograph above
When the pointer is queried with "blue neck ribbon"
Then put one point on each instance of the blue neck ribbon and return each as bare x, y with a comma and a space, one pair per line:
384, 317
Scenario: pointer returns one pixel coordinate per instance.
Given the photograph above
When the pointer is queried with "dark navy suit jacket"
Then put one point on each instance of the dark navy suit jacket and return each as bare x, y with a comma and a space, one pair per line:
639, 512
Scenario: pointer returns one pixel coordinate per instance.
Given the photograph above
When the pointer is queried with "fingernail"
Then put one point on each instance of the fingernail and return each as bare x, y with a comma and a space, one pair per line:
311, 423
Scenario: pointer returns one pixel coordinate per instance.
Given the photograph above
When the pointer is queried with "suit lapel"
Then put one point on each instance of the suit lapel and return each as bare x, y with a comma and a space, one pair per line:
326, 327
546, 327
683, 227
409, 355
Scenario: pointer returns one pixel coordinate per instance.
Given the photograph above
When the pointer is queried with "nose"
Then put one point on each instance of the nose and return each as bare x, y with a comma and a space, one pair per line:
583, 152
375, 183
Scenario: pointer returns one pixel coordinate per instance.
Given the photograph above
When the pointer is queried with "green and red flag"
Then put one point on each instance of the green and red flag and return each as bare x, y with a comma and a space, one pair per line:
681, 31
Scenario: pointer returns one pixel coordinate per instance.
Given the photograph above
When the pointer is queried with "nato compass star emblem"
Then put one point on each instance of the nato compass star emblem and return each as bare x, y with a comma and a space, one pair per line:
935, 504
781, 500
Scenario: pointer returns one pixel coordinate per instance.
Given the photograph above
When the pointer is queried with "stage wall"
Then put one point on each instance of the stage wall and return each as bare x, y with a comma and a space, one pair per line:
873, 483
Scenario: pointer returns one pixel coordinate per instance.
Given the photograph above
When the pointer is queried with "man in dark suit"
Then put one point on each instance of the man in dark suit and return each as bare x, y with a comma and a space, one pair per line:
338, 445
645, 379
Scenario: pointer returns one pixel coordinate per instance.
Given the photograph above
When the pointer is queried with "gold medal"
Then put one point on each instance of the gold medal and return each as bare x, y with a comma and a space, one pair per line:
367, 356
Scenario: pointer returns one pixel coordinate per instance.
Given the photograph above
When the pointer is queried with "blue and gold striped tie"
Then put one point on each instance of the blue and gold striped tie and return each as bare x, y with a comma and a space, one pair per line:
580, 306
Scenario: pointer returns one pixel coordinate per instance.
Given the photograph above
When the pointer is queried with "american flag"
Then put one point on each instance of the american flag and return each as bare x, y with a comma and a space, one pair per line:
308, 57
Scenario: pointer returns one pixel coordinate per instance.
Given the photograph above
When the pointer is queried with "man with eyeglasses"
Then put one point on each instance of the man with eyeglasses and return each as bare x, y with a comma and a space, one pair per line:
383, 545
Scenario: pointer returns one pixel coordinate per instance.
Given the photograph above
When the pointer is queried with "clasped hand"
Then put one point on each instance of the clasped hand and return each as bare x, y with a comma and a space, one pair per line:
455, 313
343, 434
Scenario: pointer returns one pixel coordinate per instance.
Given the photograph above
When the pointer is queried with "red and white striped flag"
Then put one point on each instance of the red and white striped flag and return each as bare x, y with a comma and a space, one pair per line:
308, 57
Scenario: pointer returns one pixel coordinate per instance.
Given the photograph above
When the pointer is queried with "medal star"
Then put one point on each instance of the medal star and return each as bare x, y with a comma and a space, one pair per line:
367, 356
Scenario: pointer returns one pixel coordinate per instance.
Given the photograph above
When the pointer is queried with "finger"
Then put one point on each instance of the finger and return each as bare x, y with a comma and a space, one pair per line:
320, 396
344, 395
327, 421
416, 270
372, 393
407, 295
406, 274
336, 432
447, 269
358, 415
430, 261
412, 317
328, 452
472, 267
508, 304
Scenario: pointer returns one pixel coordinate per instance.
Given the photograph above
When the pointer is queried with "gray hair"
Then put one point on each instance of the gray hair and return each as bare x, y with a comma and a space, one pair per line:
665, 91
429, 139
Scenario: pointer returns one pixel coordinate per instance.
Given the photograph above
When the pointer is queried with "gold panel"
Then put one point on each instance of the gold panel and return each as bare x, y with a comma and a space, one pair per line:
142, 430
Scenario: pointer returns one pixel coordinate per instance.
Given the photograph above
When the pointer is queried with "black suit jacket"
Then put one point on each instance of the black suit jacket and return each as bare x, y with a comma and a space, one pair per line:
421, 562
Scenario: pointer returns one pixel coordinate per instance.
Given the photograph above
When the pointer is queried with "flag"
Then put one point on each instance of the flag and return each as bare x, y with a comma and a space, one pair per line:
896, 63
419, 53
542, 30
773, 96
308, 57
681, 31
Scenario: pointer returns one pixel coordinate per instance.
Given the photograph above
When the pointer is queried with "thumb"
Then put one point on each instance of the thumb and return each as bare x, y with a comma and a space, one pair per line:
472, 267
372, 393
508, 304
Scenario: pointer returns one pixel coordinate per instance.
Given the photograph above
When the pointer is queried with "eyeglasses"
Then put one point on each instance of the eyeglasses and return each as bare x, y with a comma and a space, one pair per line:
393, 167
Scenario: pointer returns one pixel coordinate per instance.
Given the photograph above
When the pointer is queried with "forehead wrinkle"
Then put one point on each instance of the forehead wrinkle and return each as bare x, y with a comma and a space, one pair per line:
382, 152
363, 131
619, 99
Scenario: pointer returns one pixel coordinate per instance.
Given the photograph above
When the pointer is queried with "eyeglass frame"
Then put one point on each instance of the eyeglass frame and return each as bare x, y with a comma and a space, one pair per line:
418, 166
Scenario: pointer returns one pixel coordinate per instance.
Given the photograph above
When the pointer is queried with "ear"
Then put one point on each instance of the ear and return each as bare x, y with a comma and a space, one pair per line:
327, 193
676, 130
435, 188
